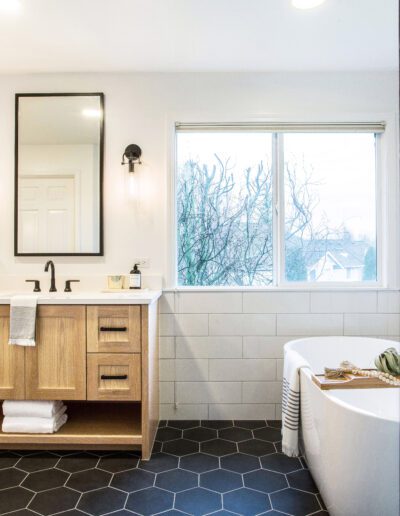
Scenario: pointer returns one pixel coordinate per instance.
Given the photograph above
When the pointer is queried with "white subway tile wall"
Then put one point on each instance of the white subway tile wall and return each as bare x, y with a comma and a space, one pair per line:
221, 353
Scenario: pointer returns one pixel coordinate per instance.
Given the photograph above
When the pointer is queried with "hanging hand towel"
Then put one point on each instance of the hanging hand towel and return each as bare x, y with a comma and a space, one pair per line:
35, 425
23, 408
23, 320
291, 402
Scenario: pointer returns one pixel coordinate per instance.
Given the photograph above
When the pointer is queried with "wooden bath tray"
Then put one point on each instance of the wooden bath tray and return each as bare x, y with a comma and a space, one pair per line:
350, 382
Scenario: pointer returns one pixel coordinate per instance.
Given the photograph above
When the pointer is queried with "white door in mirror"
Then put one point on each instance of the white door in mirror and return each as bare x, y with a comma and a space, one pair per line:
47, 214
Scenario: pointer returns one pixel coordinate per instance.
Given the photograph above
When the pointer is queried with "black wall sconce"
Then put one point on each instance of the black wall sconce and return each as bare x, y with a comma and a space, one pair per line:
132, 153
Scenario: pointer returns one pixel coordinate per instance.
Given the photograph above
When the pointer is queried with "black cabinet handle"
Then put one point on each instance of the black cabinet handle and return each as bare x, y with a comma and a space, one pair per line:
106, 328
114, 377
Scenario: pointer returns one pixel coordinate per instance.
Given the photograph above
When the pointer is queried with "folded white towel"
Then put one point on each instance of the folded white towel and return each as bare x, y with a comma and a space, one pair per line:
23, 408
293, 362
23, 320
34, 425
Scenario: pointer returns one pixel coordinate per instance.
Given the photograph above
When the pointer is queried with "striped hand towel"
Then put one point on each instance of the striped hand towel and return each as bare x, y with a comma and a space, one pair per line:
291, 402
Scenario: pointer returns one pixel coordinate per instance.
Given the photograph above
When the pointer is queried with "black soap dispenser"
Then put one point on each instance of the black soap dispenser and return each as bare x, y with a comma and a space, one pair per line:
135, 277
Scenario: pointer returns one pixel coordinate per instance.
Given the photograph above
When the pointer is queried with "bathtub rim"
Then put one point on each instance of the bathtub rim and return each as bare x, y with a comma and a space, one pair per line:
330, 394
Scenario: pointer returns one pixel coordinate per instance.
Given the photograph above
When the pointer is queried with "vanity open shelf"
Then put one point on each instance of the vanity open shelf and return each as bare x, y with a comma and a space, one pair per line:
101, 360
90, 425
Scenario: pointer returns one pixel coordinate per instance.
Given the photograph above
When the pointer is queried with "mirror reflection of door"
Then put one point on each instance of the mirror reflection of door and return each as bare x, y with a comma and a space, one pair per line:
58, 177
47, 214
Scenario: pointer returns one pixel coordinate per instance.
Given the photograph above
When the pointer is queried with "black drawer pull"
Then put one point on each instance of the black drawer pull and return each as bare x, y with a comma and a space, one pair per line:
106, 328
114, 377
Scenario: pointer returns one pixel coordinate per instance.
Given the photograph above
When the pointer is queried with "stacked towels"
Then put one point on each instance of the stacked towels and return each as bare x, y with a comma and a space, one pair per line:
33, 417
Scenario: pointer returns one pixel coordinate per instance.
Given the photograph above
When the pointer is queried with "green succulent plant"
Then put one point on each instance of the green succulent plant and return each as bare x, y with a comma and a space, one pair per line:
388, 362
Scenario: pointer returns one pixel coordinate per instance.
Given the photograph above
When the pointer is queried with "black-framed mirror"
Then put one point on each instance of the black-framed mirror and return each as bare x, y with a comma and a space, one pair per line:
59, 147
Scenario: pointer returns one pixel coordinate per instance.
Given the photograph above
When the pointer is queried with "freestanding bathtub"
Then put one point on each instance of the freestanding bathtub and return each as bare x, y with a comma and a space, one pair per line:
350, 437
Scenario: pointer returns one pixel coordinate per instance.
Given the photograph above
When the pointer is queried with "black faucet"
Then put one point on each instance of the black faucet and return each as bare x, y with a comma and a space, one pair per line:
53, 279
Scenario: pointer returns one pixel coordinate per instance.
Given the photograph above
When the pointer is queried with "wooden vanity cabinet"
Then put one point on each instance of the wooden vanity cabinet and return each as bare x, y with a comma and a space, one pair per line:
54, 369
102, 361
12, 362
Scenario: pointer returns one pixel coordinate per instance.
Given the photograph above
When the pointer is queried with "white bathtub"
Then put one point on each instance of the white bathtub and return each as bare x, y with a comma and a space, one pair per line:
350, 437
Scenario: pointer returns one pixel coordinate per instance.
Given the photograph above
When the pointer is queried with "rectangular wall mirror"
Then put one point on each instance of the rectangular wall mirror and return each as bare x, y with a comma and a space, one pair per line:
59, 142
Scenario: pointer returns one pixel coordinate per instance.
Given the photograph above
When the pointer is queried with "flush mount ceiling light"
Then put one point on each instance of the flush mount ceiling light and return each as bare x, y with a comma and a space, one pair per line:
307, 4
90, 112
11, 6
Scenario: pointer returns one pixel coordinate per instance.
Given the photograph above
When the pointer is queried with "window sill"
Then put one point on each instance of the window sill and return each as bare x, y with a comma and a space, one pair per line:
297, 288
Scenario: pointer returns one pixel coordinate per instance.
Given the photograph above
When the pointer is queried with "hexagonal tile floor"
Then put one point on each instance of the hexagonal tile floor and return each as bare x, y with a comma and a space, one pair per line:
197, 467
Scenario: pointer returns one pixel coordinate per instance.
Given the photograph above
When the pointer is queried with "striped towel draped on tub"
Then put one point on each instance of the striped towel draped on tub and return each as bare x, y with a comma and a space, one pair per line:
293, 362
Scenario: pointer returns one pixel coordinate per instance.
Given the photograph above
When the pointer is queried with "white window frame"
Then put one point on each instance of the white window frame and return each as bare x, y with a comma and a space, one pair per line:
387, 212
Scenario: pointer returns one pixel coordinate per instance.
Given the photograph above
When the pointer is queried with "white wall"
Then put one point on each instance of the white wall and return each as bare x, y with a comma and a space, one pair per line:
221, 352
139, 109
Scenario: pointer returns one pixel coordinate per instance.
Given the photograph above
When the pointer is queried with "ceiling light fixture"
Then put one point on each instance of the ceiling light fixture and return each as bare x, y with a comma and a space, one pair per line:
307, 4
11, 6
90, 112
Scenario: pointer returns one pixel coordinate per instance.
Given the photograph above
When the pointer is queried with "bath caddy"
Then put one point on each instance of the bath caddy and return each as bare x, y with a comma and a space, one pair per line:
351, 381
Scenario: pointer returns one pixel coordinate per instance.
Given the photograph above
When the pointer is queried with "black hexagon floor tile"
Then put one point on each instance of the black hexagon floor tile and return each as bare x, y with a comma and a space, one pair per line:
265, 481
54, 500
118, 462
180, 447
77, 462
198, 501
133, 480
14, 498
159, 462
150, 501
157, 447
11, 477
183, 425
221, 480
294, 502
218, 447
217, 425
246, 502
200, 434
199, 462
303, 480
168, 434
240, 463
102, 501
280, 463
89, 480
235, 434
268, 434
177, 480
232, 467
251, 424
276, 423
8, 459
256, 447
47, 479
38, 461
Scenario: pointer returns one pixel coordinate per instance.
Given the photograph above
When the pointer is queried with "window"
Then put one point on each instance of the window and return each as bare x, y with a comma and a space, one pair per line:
261, 207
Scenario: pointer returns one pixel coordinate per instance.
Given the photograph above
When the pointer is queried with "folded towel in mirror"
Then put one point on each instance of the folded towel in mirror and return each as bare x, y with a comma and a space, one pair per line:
27, 408
23, 320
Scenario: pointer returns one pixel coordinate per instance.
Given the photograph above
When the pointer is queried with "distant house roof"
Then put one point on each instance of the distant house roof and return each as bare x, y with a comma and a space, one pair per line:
347, 253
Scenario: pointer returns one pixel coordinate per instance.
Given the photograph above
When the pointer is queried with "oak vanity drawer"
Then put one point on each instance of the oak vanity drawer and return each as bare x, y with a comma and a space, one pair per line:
113, 329
112, 376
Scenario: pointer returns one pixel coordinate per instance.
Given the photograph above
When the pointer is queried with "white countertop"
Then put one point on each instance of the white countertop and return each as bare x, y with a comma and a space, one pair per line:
145, 297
